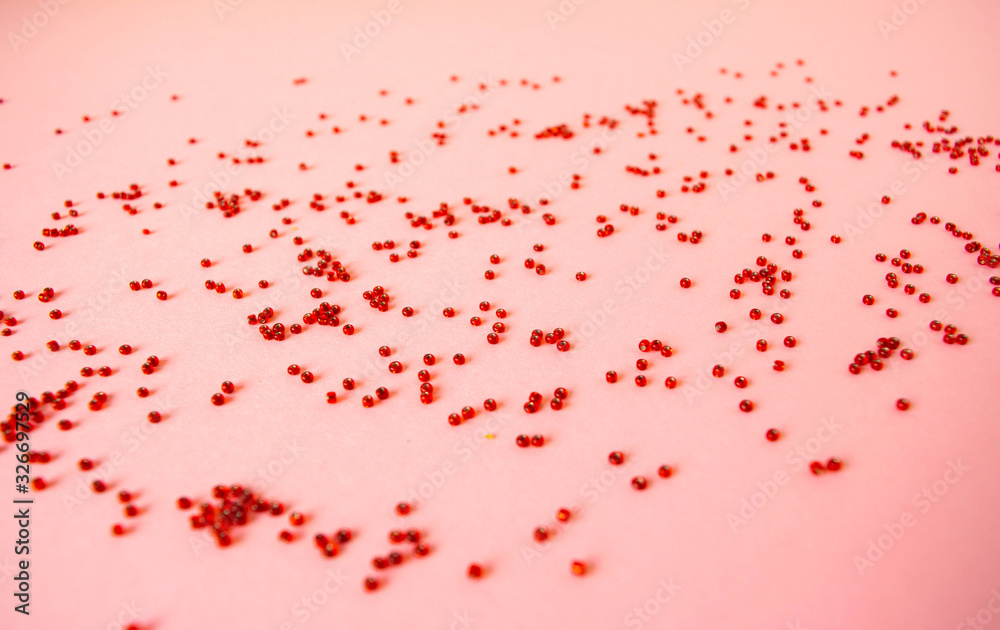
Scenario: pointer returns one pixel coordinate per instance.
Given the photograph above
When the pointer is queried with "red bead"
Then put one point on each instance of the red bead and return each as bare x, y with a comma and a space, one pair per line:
161, 295
501, 313
307, 377
834, 464
348, 329
459, 359
665, 471
522, 440
98, 486
142, 392
85, 464
154, 417
578, 568
490, 405
670, 382
790, 342
639, 483
761, 345
685, 283
777, 318
403, 509
218, 399
746, 406
816, 468
721, 327
617, 458
868, 300
772, 435
902, 404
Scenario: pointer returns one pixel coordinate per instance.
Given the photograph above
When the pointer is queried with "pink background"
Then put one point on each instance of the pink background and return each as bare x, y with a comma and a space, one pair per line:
791, 565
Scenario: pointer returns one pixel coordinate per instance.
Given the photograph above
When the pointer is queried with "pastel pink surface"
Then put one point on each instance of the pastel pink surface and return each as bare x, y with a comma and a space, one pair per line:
678, 548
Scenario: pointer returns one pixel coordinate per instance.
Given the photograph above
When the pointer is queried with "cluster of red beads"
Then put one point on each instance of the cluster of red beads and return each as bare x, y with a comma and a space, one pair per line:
235, 509
377, 298
885, 346
553, 338
333, 269
323, 315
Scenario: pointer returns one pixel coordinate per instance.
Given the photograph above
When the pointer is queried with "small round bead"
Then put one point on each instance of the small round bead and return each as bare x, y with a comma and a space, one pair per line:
307, 377
665, 471
218, 399
721, 327
685, 283
902, 404
617, 458
746, 406
639, 483
772, 435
